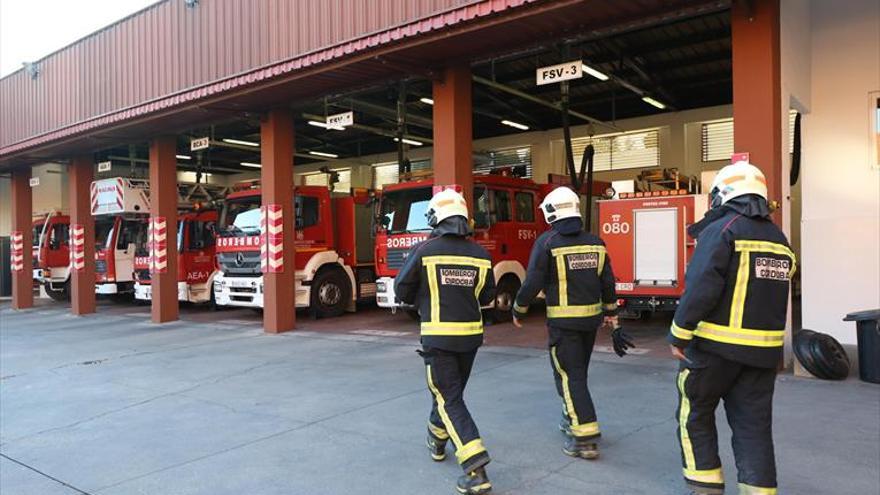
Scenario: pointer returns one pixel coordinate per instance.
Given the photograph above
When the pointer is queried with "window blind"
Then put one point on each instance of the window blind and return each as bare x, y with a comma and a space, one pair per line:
635, 149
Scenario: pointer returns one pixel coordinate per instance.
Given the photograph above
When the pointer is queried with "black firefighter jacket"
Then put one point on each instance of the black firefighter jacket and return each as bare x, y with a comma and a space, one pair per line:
573, 269
736, 295
448, 278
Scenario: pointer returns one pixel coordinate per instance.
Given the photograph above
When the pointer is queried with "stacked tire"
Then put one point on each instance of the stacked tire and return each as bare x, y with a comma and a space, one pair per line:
821, 355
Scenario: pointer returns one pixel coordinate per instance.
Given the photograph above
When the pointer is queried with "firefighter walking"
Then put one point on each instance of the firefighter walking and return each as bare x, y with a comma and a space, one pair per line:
448, 278
573, 269
728, 333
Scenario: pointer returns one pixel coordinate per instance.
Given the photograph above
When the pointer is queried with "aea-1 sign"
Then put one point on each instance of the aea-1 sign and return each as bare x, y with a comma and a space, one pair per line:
560, 72
34, 181
104, 166
199, 144
340, 120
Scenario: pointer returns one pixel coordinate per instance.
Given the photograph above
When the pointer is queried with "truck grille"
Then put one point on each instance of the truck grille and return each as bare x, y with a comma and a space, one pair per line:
249, 265
100, 266
142, 275
396, 257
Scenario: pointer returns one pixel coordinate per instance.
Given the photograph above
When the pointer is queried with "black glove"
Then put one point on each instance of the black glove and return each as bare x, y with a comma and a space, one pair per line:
621, 341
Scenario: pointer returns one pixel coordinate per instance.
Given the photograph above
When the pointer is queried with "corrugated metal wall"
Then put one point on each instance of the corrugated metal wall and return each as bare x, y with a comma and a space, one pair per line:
169, 47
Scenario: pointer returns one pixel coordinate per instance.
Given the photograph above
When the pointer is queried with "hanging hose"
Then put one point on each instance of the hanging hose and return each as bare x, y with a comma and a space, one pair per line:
796, 152
403, 164
587, 166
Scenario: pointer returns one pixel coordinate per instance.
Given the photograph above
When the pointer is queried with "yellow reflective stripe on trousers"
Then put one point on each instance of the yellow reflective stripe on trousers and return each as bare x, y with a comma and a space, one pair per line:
585, 430
740, 336
441, 408
767, 247
745, 489
705, 475
453, 328
684, 410
681, 333
469, 450
566, 395
437, 431
738, 303
580, 311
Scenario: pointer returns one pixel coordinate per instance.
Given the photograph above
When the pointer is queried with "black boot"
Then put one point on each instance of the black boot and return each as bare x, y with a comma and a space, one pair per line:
705, 490
437, 448
474, 483
580, 448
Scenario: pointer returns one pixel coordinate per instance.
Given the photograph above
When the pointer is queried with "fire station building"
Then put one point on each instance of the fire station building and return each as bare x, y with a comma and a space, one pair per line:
193, 96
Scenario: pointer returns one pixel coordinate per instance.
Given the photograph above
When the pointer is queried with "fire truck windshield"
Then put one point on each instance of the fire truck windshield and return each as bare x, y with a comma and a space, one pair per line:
38, 231
240, 217
103, 228
404, 210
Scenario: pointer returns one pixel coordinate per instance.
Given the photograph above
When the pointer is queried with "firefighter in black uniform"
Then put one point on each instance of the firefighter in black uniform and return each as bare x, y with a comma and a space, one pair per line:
448, 278
728, 333
573, 269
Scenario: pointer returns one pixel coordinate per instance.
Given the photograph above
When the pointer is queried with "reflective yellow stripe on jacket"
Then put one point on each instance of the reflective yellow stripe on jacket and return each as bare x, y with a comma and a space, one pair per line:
452, 328
740, 336
564, 310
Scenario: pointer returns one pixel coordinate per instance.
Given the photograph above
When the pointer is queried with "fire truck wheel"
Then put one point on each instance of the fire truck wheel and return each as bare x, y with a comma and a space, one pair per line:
330, 293
59, 295
505, 294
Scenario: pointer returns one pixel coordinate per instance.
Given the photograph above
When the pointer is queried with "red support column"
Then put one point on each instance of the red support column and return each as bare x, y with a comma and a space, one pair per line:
757, 90
163, 229
453, 131
80, 174
20, 242
276, 157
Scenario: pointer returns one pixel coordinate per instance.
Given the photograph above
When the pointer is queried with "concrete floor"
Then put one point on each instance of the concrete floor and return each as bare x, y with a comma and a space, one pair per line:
110, 404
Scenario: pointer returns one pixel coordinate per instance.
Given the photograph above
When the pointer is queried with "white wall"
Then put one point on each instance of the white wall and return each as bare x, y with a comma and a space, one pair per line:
829, 74
49, 195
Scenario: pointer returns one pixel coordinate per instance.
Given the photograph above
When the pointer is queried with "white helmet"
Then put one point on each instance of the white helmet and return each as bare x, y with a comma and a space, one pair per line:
737, 180
561, 203
446, 203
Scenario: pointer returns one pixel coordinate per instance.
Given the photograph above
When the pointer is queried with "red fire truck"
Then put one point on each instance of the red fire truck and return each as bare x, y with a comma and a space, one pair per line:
121, 209
646, 236
196, 262
506, 223
333, 260
51, 251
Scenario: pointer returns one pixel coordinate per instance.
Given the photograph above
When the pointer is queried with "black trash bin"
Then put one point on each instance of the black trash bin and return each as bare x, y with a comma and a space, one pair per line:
868, 334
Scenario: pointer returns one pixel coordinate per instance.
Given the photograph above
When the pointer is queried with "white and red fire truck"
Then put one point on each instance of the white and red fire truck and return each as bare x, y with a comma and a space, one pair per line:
121, 209
646, 236
333, 250
196, 261
506, 222
51, 251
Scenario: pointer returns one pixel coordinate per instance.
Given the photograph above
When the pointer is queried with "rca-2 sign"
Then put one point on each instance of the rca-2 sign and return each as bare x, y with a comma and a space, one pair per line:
615, 226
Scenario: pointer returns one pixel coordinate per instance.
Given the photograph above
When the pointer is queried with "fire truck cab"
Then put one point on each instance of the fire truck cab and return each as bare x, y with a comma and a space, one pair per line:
333, 253
506, 222
51, 252
647, 241
121, 209
196, 262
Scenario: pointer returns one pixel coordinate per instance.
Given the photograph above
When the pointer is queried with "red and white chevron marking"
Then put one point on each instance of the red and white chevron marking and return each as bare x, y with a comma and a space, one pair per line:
120, 195
78, 244
264, 263
272, 245
17, 246
158, 241
94, 196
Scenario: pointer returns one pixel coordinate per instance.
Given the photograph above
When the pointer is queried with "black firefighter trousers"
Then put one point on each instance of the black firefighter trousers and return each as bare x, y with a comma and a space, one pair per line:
570, 352
748, 401
448, 374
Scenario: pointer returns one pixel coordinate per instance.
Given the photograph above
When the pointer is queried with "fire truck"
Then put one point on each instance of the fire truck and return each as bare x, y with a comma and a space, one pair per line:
506, 222
647, 241
51, 251
121, 209
333, 250
196, 262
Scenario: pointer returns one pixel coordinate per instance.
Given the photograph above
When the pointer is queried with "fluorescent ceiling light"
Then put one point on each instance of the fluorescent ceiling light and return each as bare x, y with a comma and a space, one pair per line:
325, 155
243, 143
517, 125
323, 125
411, 141
653, 102
426, 101
184, 157
251, 165
593, 72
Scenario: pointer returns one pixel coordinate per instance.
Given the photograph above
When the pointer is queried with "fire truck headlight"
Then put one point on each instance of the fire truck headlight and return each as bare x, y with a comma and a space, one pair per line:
381, 286
261, 287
